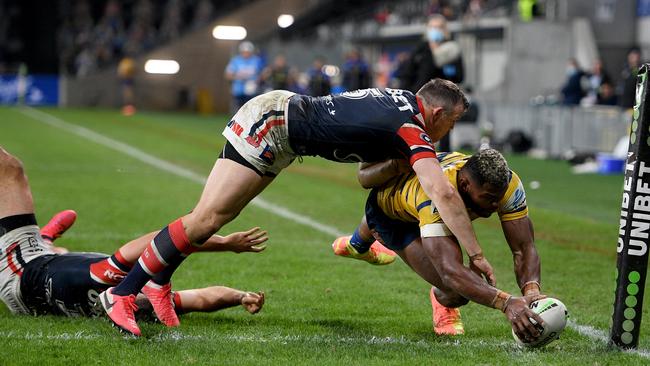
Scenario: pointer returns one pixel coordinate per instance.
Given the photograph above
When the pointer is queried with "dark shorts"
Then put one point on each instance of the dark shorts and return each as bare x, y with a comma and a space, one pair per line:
61, 284
229, 152
395, 234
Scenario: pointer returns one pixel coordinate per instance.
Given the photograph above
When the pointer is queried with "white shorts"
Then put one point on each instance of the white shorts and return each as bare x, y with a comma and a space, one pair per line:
19, 247
259, 133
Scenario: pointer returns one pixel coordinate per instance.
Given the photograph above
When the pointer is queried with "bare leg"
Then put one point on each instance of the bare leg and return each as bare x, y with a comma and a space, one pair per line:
15, 195
418, 258
228, 190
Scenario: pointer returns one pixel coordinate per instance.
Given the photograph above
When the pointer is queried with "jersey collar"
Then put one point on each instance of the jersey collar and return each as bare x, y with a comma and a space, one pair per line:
421, 117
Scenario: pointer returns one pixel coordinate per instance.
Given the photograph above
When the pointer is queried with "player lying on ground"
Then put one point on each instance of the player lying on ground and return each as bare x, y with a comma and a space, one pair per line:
269, 132
35, 280
402, 217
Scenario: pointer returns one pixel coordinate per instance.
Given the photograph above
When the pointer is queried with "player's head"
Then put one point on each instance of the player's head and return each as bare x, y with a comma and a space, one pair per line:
246, 49
444, 103
483, 181
437, 28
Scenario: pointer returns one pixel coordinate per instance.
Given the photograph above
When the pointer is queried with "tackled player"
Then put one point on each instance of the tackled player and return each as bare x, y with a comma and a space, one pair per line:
35, 280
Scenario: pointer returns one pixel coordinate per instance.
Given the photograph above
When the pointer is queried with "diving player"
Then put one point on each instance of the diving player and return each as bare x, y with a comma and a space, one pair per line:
269, 132
36, 280
401, 216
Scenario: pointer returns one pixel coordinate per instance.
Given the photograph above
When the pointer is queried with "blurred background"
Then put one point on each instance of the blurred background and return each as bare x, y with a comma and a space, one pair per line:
553, 78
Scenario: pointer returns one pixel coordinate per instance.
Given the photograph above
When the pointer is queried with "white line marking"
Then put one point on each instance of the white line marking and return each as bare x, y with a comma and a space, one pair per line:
169, 167
602, 336
138, 154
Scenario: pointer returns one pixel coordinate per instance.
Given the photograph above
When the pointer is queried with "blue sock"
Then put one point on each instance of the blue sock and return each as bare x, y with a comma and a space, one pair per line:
160, 258
359, 244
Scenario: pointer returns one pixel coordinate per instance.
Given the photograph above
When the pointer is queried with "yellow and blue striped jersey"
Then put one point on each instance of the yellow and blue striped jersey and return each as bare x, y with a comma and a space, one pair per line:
404, 199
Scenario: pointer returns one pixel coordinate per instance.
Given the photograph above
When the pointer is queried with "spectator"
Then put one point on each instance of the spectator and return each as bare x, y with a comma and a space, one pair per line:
596, 78
244, 71
356, 73
573, 91
319, 82
436, 57
278, 76
627, 82
607, 94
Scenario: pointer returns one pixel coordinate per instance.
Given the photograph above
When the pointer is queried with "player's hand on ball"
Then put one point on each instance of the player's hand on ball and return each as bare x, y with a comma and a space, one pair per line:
247, 241
522, 318
253, 301
480, 265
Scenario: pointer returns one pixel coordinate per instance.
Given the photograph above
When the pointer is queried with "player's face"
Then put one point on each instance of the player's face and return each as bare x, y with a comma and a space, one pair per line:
482, 200
440, 122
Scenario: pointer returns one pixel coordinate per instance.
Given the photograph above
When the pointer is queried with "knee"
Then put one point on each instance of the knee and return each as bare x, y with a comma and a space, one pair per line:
10, 166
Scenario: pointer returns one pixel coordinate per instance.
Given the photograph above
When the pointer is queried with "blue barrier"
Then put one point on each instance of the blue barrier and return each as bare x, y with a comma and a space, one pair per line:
38, 89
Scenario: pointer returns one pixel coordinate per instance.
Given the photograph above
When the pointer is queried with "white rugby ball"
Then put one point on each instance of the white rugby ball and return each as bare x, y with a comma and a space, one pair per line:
555, 316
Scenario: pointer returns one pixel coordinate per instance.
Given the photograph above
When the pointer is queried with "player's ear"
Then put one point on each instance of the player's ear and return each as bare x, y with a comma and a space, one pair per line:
436, 113
463, 183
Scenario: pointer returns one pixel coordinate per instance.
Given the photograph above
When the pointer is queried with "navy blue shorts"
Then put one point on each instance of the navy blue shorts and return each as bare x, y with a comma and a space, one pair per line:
61, 284
395, 234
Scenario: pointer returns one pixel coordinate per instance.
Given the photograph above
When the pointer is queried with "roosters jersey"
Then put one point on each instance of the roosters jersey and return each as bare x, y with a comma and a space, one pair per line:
404, 199
364, 125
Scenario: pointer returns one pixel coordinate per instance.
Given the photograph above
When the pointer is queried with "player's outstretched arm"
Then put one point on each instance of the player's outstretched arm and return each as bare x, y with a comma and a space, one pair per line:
239, 242
452, 211
247, 241
446, 257
215, 298
521, 239
371, 175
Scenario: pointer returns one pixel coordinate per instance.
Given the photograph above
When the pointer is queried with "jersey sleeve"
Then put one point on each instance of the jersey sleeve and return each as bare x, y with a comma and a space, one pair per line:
513, 205
431, 224
417, 144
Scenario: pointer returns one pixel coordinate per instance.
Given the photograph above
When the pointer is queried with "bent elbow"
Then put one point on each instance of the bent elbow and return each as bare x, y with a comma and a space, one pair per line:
445, 193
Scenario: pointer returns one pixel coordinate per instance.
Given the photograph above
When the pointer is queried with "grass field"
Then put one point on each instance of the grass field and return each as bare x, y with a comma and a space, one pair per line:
320, 309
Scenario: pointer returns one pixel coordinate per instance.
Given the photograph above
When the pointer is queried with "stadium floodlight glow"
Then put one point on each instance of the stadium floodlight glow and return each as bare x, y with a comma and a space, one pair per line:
168, 67
331, 70
285, 20
230, 32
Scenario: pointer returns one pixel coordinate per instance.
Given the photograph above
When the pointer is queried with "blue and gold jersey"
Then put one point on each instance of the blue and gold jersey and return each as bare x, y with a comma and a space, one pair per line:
404, 199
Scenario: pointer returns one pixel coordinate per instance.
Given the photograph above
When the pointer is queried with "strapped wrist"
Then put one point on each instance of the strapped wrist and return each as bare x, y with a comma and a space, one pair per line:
531, 288
500, 300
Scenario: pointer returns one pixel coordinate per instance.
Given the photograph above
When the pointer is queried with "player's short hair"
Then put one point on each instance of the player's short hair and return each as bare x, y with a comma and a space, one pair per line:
443, 93
489, 166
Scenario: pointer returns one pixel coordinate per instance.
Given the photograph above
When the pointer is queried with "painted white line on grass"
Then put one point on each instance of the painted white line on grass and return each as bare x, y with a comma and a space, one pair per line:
602, 336
169, 167
284, 212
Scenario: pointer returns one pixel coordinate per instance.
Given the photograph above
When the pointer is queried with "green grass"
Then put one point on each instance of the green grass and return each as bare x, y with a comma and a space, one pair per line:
320, 309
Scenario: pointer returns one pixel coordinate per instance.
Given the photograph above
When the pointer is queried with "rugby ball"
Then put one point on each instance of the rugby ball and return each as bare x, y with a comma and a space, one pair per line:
555, 316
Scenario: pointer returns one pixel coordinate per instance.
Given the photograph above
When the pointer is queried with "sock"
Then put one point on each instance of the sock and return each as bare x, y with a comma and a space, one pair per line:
360, 245
167, 247
165, 275
110, 271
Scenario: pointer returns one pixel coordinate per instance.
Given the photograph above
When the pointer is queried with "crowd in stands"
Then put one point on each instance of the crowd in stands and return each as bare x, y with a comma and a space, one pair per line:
95, 34
597, 87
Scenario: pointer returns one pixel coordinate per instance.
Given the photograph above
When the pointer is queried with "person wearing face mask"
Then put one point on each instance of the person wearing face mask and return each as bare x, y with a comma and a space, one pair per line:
573, 90
437, 56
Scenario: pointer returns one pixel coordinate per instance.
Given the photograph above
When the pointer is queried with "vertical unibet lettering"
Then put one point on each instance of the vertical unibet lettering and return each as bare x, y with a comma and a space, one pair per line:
634, 225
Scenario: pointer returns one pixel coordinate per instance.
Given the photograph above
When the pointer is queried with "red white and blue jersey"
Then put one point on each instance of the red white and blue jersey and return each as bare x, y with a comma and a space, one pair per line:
365, 125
